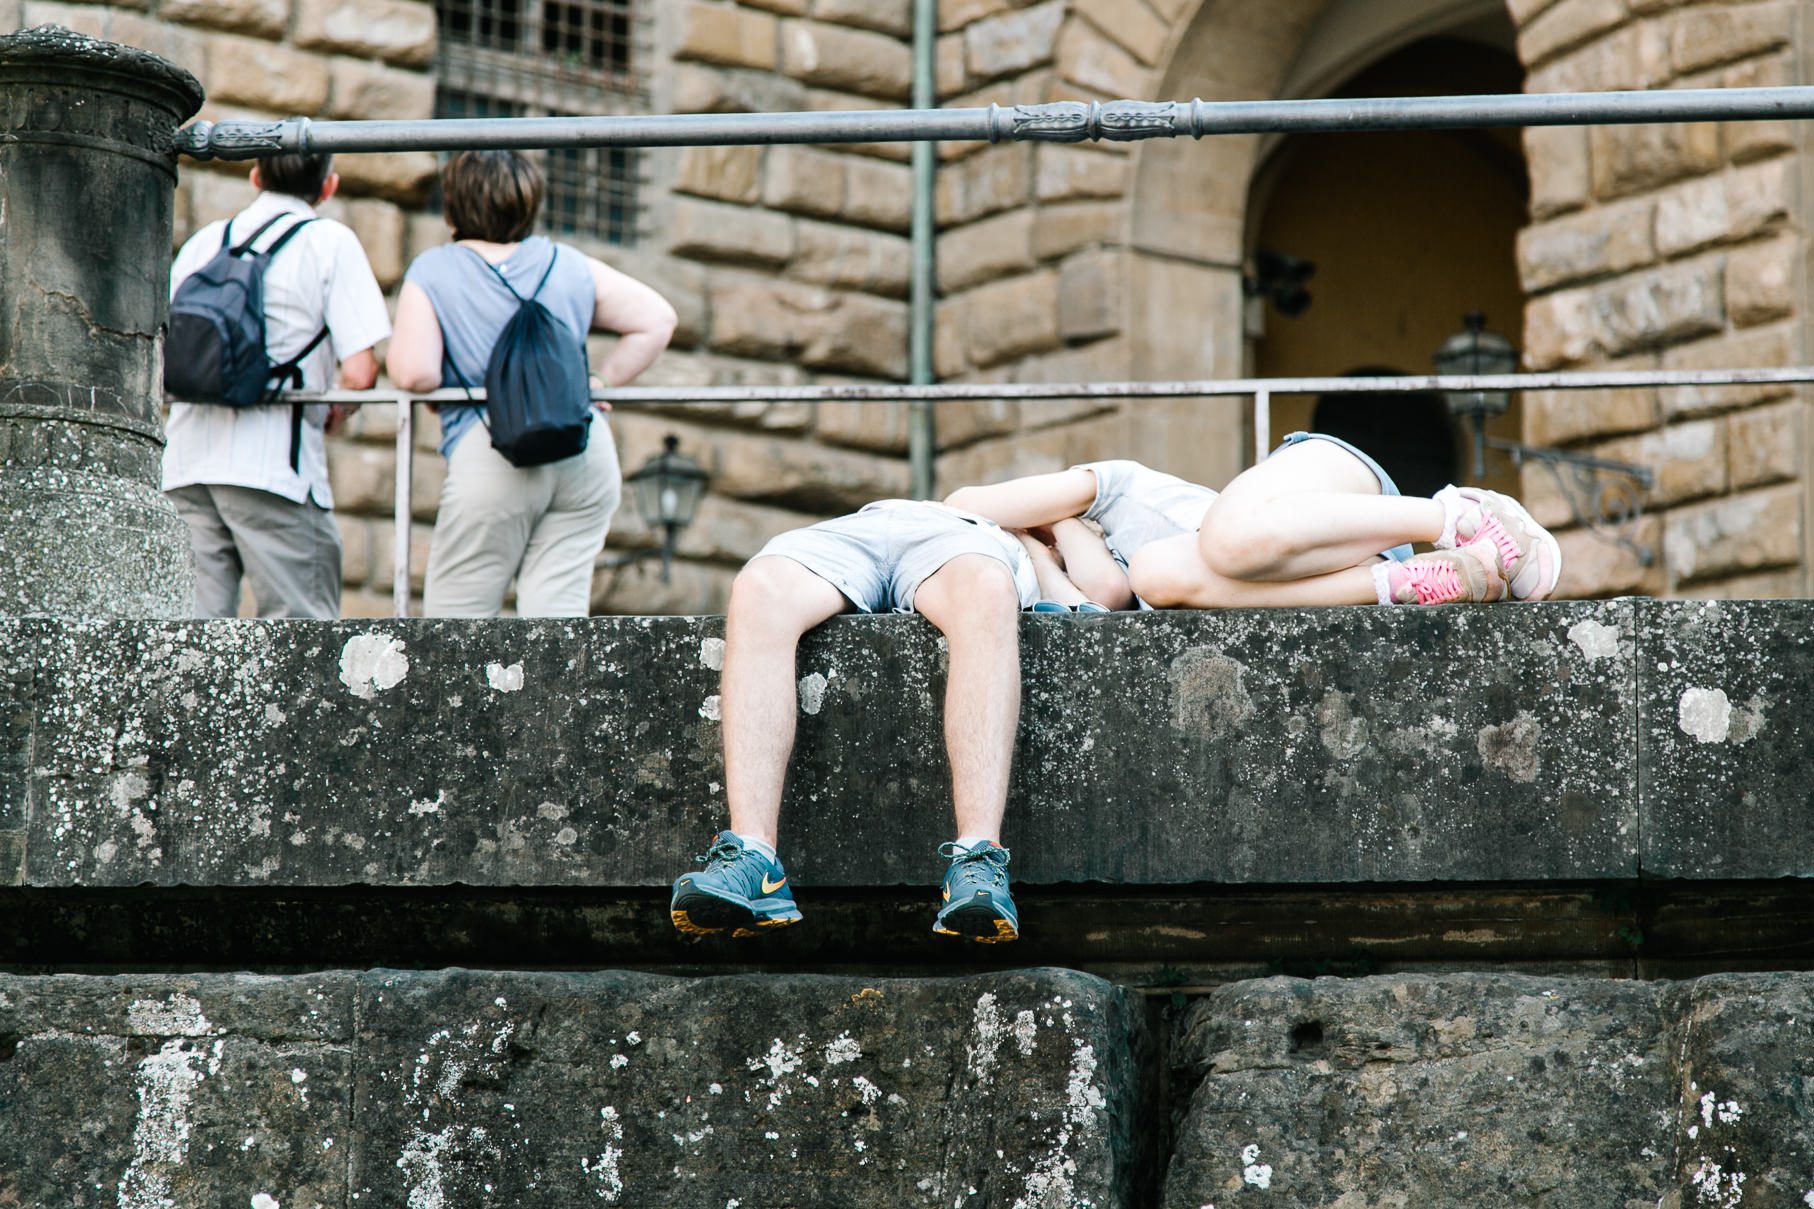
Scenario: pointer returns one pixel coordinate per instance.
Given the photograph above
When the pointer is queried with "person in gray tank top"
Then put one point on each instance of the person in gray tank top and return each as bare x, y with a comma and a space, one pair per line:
1319, 522
542, 526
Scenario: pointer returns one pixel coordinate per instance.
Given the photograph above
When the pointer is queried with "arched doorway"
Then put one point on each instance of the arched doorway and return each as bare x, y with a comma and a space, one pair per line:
1408, 231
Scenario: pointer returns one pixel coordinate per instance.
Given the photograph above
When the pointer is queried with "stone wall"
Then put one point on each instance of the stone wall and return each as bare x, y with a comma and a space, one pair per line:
1673, 247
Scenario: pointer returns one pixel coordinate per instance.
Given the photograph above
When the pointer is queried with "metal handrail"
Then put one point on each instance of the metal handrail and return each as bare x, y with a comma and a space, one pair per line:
1261, 390
1051, 122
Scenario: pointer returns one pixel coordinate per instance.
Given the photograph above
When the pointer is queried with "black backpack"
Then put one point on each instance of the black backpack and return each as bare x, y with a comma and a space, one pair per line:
214, 351
537, 385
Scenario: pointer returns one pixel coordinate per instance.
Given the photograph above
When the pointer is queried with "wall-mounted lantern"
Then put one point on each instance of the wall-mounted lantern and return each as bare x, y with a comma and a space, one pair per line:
666, 491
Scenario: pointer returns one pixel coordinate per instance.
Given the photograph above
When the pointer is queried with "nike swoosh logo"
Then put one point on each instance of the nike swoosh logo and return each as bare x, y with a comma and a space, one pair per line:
768, 888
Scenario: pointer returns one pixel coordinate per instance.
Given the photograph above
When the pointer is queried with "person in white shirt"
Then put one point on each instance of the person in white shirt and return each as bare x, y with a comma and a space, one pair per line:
250, 483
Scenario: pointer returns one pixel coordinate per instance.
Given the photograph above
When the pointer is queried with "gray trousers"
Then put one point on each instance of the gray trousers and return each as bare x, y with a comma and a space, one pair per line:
289, 553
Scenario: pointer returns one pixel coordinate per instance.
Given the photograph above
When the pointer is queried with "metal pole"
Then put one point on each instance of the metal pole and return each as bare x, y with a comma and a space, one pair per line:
406, 451
921, 438
1054, 122
1262, 425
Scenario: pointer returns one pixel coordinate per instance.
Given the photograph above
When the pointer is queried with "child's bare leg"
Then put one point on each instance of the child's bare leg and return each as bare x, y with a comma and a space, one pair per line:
1170, 573
1310, 509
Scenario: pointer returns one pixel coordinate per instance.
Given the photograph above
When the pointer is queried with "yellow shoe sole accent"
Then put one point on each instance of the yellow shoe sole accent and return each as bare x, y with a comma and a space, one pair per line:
1004, 931
684, 923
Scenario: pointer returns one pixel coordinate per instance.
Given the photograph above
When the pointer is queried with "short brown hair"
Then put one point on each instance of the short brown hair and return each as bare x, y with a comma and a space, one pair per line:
491, 195
301, 176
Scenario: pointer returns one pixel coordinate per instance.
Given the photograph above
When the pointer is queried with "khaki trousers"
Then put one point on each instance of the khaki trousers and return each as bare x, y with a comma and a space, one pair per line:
288, 552
542, 525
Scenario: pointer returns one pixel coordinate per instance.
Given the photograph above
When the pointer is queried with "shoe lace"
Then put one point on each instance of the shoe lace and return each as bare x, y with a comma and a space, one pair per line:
1507, 545
722, 852
987, 861
1435, 583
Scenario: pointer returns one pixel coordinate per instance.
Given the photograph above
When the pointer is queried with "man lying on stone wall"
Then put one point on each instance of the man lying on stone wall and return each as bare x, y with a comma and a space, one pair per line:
962, 573
1317, 523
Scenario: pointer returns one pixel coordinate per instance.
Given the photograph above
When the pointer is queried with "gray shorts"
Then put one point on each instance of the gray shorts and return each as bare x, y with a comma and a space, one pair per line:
879, 557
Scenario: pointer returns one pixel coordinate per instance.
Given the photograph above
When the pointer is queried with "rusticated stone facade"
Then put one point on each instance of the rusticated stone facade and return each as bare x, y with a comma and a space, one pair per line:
1672, 247
1646, 246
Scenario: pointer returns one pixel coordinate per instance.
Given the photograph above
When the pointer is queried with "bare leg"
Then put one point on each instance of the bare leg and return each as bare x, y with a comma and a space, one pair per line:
1308, 510
1170, 574
774, 600
973, 601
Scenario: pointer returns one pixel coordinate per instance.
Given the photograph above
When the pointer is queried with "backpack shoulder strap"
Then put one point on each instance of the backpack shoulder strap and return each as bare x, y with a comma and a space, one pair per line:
251, 239
286, 237
553, 255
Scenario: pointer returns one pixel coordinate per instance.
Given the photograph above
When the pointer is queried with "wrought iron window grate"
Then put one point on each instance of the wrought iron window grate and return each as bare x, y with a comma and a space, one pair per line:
547, 58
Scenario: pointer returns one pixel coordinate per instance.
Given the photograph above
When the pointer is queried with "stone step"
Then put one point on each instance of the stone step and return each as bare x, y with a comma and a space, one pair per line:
1531, 744
1030, 1089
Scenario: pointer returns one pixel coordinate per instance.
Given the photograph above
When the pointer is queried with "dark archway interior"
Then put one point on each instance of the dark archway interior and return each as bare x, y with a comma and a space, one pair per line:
1408, 231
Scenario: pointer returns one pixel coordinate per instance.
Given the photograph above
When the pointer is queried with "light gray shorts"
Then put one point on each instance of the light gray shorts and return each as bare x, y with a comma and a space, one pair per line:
879, 557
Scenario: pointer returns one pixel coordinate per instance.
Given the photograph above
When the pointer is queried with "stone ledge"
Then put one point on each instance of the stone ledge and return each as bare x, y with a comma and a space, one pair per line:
1490, 745
1350, 745
464, 1088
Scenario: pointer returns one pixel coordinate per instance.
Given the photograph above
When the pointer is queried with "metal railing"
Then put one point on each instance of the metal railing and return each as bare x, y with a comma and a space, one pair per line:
1260, 390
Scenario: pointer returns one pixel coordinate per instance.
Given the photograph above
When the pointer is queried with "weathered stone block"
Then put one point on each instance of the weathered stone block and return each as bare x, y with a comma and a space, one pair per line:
728, 34
1745, 141
859, 334
397, 31
1012, 42
1662, 306
356, 564
384, 550
1785, 583
1724, 730
1131, 24
893, 17
1628, 159
1565, 25
1012, 317
1601, 241
1733, 535
732, 174
853, 60
1760, 280
733, 235
1634, 57
1066, 173
787, 8
264, 17
1556, 417
712, 90
986, 183
797, 475
994, 247
1088, 59
402, 176
1504, 1091
1777, 344
1730, 207
636, 590
152, 1082
1593, 566
956, 14
360, 89
392, 1087
950, 74
179, 44
1688, 460
1092, 295
878, 194
1701, 37
804, 180
1765, 443
865, 425
217, 754
1559, 168
1062, 229
251, 71
836, 255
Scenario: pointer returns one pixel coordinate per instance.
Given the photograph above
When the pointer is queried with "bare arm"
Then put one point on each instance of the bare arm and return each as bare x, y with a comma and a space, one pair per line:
1054, 584
642, 318
359, 371
1090, 566
415, 351
1025, 503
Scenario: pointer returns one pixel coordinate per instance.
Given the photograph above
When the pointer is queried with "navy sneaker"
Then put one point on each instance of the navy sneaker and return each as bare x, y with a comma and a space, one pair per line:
739, 889
977, 902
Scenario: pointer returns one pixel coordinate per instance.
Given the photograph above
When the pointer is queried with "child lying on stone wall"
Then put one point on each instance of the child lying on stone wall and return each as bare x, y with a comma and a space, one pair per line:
1317, 523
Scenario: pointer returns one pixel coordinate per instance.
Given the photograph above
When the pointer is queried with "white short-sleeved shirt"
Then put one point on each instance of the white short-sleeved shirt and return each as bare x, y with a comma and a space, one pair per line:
1135, 505
320, 278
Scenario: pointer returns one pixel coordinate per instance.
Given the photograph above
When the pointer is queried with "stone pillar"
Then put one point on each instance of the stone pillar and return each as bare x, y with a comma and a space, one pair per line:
87, 182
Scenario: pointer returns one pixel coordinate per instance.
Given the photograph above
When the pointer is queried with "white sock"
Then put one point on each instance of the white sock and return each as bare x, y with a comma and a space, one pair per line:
755, 845
967, 842
1382, 585
1453, 504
